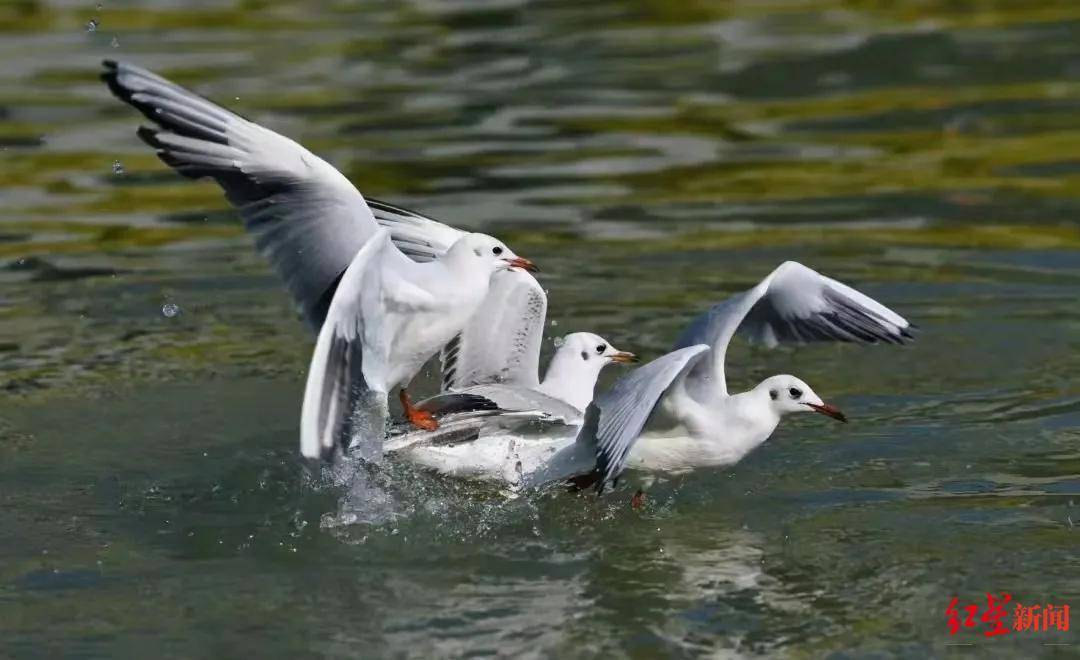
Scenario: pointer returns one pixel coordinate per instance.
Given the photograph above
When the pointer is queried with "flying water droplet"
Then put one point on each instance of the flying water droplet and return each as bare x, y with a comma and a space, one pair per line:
91, 25
99, 6
554, 323
115, 43
117, 167
558, 342
170, 310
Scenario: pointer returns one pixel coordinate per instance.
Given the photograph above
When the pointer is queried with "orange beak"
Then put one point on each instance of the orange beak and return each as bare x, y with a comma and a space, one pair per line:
829, 411
624, 357
522, 263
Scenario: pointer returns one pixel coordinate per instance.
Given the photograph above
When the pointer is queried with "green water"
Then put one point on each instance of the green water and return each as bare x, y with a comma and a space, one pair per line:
653, 157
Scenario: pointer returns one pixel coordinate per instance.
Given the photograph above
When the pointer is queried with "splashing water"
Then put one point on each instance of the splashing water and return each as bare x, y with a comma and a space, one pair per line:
170, 310
117, 167
115, 43
92, 25
557, 342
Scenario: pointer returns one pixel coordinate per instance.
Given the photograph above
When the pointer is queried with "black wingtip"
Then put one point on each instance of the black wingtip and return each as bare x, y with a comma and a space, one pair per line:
149, 136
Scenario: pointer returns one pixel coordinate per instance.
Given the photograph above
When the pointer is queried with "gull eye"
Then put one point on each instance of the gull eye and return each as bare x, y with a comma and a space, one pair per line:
795, 392
496, 250
600, 349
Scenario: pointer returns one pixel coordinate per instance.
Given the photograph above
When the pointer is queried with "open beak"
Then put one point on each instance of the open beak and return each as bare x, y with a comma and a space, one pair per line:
624, 357
829, 411
522, 263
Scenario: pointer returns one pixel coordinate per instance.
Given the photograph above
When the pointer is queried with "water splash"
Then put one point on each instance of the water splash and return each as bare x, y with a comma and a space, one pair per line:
170, 310
117, 167
92, 25
115, 43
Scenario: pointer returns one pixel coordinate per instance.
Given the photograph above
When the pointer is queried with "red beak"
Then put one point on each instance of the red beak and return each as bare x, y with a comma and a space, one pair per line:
522, 263
829, 411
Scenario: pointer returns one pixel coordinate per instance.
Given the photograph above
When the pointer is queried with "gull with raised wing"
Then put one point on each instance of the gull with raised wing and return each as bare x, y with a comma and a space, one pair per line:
380, 315
713, 427
496, 356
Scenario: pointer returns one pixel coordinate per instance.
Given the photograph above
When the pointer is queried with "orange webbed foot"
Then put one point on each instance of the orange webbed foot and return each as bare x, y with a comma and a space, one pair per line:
421, 419
638, 500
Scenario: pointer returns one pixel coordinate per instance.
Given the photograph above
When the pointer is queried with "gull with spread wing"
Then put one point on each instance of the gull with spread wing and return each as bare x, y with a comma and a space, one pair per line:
380, 315
713, 427
496, 356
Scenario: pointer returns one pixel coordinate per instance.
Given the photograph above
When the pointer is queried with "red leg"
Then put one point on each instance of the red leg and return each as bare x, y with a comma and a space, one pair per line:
638, 500
421, 419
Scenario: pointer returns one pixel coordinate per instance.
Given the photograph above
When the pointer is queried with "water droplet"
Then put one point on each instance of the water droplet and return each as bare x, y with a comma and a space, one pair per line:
558, 342
115, 43
117, 167
170, 310
554, 323
99, 6
91, 25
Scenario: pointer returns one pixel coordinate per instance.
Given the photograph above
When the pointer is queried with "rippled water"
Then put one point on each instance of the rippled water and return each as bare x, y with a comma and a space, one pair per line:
653, 157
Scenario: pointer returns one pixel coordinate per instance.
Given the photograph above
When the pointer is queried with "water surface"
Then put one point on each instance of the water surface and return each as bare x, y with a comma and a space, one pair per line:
654, 157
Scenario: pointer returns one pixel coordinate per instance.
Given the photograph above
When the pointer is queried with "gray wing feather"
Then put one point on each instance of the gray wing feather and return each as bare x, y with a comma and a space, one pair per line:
418, 236
792, 304
522, 399
501, 343
307, 218
614, 421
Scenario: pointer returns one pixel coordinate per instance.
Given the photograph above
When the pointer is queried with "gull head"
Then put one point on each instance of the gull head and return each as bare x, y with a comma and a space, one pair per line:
594, 350
487, 252
788, 394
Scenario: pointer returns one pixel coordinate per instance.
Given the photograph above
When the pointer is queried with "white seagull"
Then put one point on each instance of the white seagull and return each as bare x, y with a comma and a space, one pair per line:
380, 314
701, 424
496, 356
712, 426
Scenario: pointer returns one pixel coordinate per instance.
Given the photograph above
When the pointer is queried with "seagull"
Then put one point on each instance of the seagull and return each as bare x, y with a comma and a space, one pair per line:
475, 444
675, 413
712, 426
496, 357
379, 314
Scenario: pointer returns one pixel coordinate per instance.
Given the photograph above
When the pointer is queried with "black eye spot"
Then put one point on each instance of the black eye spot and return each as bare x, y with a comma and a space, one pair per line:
600, 349
584, 355
496, 250
795, 392
773, 394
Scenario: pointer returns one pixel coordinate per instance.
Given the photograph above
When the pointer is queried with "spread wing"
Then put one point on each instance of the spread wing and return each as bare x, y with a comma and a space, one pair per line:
307, 218
501, 343
616, 418
792, 304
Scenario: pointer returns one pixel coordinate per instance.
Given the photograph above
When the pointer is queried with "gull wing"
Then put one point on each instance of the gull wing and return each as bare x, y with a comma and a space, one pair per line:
501, 344
614, 421
307, 218
792, 304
